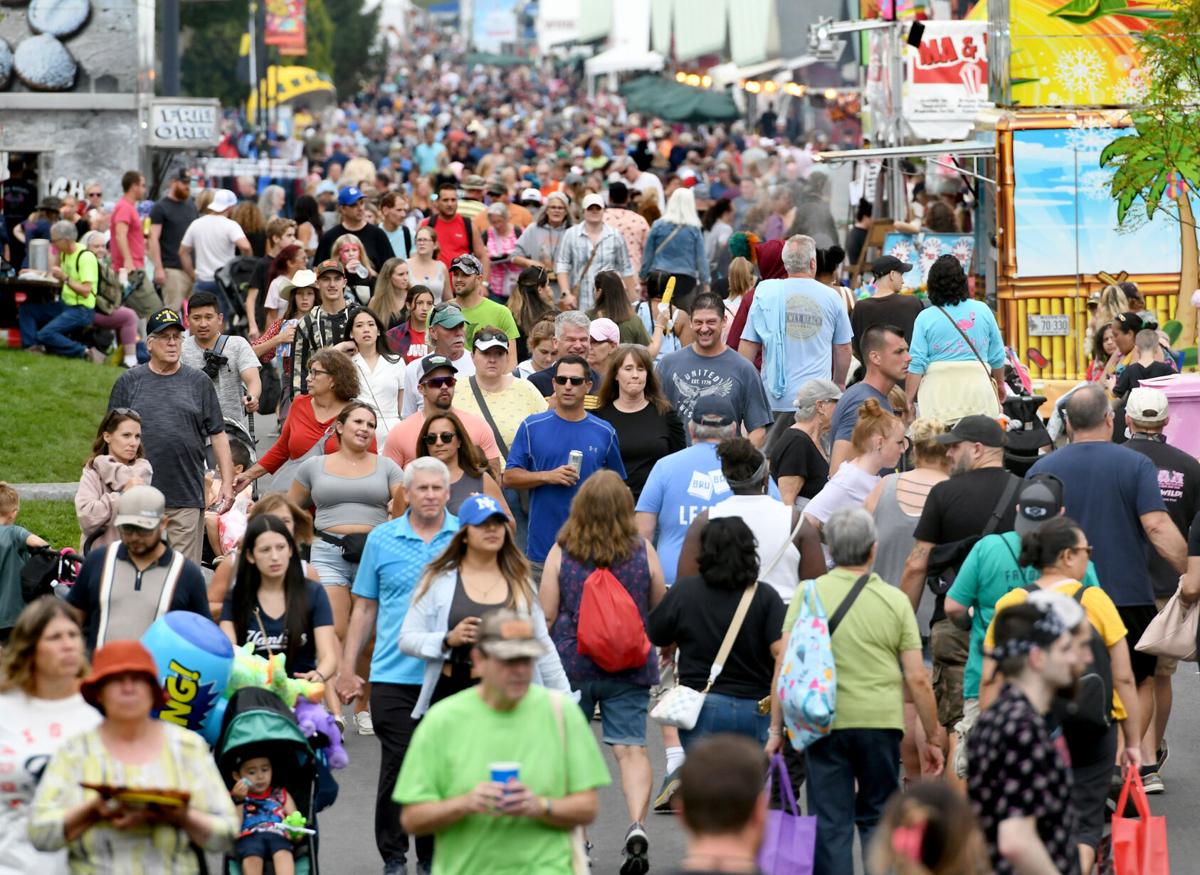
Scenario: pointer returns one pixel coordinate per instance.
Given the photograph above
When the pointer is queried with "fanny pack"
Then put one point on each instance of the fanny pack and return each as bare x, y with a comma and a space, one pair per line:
351, 545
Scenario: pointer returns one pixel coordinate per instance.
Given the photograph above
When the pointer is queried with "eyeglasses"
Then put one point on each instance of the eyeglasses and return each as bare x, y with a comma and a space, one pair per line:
432, 438
95, 194
491, 334
574, 381
135, 530
440, 382
313, 372
1088, 548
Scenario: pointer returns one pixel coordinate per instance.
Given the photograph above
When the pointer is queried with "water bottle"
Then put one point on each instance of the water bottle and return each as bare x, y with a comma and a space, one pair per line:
285, 349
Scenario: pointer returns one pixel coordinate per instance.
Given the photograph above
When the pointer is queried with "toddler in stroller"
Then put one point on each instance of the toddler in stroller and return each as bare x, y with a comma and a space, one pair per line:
262, 807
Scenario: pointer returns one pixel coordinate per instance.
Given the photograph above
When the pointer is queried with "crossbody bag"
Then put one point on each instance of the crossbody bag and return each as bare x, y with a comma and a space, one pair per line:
501, 444
987, 371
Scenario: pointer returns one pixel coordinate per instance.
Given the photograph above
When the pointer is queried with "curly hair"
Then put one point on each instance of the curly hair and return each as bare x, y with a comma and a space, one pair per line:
740, 461
342, 372
469, 457
600, 529
728, 554
947, 284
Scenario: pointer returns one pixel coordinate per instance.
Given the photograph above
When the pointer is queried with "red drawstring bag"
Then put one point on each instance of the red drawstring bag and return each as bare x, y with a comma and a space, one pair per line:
1139, 844
610, 630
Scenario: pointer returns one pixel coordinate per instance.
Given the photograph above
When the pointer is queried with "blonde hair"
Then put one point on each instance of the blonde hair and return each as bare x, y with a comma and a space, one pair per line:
741, 277
1113, 303
383, 301
681, 208
927, 452
9, 498
336, 250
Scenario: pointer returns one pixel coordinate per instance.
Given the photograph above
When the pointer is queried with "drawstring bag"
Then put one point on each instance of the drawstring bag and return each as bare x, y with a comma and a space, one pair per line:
610, 629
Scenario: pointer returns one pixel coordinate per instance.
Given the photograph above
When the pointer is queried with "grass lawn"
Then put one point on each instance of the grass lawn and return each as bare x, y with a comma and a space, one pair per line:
52, 520
49, 414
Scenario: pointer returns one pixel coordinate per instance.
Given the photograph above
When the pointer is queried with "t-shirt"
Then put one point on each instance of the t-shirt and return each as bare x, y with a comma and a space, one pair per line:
126, 213
13, 554
696, 616
1015, 770
867, 644
31, 731
179, 411
401, 443
508, 408
375, 243
795, 455
487, 313
452, 751
401, 240
895, 309
686, 376
798, 321
1107, 488
213, 240
230, 389
845, 414
80, 266
349, 501
454, 236
962, 506
1179, 485
645, 437
543, 381
174, 216
989, 572
272, 637
413, 399
1132, 376
543, 442
391, 566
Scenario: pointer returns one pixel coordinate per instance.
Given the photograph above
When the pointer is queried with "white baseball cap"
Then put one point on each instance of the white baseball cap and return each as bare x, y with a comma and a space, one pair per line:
222, 200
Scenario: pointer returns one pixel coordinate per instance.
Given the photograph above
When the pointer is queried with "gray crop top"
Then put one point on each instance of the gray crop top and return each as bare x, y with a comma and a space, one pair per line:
342, 501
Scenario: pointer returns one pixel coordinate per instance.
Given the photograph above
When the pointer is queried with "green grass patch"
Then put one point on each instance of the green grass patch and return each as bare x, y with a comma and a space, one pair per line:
50, 408
53, 520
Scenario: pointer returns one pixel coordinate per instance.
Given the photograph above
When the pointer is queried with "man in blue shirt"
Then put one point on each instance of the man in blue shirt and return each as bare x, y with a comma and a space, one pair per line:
540, 453
885, 356
800, 325
393, 560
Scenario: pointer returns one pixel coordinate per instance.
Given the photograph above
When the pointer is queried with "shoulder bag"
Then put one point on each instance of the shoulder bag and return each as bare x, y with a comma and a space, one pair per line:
587, 264
945, 559
580, 865
666, 240
501, 444
978, 357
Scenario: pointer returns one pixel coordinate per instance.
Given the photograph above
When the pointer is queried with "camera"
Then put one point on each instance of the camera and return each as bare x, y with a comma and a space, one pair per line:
213, 362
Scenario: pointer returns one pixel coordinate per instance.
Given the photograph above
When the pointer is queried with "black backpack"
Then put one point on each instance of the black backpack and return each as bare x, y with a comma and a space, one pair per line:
1090, 710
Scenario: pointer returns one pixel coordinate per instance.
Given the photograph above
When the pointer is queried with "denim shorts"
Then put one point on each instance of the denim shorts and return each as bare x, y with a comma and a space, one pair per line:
331, 567
623, 708
261, 843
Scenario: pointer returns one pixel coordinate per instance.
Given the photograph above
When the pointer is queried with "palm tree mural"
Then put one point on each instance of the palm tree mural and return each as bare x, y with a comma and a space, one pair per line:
1162, 160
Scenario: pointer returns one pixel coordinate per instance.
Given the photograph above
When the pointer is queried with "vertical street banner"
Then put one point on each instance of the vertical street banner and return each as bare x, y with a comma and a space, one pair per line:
285, 26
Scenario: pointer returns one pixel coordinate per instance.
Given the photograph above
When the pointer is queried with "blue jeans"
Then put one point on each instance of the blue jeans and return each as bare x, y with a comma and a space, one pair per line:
32, 315
722, 713
53, 335
868, 757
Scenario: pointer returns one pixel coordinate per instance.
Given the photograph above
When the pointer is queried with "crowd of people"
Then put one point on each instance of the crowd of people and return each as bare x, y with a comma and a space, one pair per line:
523, 352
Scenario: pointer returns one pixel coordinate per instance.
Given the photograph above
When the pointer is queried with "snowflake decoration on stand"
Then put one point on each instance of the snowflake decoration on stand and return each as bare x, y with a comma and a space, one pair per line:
1079, 70
1089, 135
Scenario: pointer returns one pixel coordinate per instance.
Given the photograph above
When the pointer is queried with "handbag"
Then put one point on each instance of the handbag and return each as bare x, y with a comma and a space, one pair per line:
282, 479
501, 444
790, 838
1172, 632
580, 865
978, 357
351, 545
1139, 844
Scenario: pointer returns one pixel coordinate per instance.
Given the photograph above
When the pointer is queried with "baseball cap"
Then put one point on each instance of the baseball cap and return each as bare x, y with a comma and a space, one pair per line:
1040, 499
1093, 298
163, 319
326, 186
1147, 405
222, 200
303, 279
604, 329
431, 363
474, 181
713, 411
532, 196
490, 338
817, 390
478, 509
331, 265
506, 634
496, 187
447, 314
977, 429
467, 264
885, 264
142, 506
349, 196
593, 200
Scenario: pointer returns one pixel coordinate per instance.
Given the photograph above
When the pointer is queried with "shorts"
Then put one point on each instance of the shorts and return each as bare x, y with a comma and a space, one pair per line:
1136, 618
950, 646
1166, 664
332, 568
963, 729
261, 843
1089, 791
623, 709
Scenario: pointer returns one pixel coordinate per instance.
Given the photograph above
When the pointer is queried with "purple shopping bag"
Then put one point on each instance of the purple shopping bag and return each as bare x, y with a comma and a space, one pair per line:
790, 840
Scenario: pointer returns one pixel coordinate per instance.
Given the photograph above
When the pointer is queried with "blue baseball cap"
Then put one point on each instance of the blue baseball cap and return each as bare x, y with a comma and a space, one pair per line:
349, 196
478, 509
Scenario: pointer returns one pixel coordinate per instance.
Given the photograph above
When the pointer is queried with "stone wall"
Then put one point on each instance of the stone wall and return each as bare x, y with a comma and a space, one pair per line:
79, 145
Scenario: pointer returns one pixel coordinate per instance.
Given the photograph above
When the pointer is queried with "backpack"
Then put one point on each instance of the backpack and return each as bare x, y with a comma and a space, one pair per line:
610, 630
808, 676
1090, 708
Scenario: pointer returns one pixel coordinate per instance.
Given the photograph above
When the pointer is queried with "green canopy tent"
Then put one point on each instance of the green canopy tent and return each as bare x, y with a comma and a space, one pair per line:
489, 59
673, 102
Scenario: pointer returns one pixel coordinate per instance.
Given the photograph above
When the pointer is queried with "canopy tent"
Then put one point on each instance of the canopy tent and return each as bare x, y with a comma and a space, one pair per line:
621, 61
673, 102
488, 59
288, 86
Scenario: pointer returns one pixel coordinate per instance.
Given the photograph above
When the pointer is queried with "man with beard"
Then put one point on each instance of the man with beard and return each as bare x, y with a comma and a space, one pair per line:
169, 219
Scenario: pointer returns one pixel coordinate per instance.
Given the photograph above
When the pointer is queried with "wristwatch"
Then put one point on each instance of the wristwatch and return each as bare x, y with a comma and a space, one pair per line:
547, 808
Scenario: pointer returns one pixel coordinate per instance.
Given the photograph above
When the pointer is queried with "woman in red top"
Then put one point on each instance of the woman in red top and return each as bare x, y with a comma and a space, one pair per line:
332, 384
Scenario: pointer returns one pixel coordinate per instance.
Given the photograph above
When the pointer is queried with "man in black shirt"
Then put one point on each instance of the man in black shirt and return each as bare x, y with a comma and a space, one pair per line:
887, 306
169, 219
354, 221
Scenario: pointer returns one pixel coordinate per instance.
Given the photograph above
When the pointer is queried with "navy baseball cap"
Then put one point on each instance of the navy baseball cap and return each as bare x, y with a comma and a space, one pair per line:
710, 410
349, 196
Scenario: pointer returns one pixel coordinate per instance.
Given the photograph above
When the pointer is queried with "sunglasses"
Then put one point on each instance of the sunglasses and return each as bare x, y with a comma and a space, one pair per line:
489, 334
432, 438
440, 382
95, 194
128, 412
574, 381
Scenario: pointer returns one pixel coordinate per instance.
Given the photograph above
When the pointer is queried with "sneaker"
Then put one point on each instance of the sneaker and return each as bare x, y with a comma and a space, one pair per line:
363, 721
1163, 753
636, 853
662, 802
1152, 783
341, 725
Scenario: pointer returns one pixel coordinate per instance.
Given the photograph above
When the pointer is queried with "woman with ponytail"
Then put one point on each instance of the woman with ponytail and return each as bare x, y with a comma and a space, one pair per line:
928, 830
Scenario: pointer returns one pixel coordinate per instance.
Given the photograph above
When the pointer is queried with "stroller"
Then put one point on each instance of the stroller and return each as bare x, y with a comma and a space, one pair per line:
49, 572
257, 721
1027, 433
233, 279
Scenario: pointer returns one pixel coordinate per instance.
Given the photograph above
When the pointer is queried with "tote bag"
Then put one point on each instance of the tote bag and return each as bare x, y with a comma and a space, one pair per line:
1139, 844
790, 839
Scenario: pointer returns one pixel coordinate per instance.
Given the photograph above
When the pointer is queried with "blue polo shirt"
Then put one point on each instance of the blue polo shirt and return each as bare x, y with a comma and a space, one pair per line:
392, 564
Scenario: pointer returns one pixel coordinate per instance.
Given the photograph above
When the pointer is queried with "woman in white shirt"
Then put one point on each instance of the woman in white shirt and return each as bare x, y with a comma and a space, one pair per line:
380, 371
40, 708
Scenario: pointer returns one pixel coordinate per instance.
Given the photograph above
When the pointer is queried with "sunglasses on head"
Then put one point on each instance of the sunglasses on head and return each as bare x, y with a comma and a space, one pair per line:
440, 382
491, 334
126, 412
574, 381
433, 437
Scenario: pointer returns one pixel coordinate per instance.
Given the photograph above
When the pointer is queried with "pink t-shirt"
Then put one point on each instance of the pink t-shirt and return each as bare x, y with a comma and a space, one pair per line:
126, 212
401, 443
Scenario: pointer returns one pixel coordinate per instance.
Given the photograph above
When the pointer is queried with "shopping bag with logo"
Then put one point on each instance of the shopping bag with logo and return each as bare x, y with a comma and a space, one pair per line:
610, 629
790, 839
1139, 844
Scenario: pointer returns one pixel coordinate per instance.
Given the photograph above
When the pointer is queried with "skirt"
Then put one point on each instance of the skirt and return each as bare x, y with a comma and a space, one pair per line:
951, 390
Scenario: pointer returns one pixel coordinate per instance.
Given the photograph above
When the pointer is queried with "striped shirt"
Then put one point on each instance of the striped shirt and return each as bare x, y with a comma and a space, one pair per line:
574, 252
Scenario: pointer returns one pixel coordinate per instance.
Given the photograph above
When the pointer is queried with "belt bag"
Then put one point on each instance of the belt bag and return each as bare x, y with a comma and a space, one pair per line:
351, 545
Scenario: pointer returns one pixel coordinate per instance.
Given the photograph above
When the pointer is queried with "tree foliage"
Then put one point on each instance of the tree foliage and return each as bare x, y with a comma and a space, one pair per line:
356, 46
211, 40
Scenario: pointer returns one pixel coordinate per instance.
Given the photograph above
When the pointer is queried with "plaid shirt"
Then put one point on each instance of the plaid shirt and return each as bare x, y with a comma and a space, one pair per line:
574, 252
633, 228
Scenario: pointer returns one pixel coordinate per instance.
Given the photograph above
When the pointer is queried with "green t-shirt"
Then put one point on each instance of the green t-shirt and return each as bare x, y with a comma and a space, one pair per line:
879, 626
80, 266
989, 571
451, 752
488, 313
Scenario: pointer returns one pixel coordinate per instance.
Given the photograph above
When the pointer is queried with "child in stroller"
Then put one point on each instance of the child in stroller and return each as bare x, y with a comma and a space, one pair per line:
262, 807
